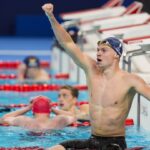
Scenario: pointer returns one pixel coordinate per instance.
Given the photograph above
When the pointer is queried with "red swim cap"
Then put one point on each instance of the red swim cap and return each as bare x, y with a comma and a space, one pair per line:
41, 104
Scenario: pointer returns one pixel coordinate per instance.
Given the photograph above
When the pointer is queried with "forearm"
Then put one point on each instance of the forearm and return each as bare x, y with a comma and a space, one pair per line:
64, 38
18, 112
61, 34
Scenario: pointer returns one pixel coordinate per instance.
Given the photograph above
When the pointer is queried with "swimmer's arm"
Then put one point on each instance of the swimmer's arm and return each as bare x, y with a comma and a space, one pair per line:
84, 112
45, 76
14, 121
1, 120
63, 121
21, 72
5, 121
61, 112
84, 108
18, 112
141, 87
65, 39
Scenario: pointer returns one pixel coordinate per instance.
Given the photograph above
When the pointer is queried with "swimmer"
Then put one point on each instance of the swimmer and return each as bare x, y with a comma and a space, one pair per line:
111, 89
41, 120
67, 102
30, 69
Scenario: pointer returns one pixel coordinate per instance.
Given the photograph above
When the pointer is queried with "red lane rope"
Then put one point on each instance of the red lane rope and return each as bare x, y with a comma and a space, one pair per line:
14, 105
129, 122
81, 87
8, 76
57, 76
35, 87
15, 64
62, 76
29, 88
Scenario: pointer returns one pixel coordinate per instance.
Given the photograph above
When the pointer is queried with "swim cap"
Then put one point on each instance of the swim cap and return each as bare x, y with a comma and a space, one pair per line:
114, 43
32, 61
41, 104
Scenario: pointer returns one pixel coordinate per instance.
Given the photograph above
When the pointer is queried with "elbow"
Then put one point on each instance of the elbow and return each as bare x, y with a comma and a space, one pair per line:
73, 119
5, 116
3, 120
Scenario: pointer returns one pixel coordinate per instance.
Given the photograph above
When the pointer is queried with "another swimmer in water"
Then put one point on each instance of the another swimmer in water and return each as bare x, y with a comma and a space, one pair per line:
30, 69
68, 104
41, 120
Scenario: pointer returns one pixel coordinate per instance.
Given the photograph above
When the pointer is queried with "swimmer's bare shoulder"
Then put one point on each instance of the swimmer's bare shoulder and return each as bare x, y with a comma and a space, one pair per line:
134, 81
132, 78
140, 85
17, 121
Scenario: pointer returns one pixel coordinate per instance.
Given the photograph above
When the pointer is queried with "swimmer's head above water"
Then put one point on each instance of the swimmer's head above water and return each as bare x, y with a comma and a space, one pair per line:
32, 62
41, 104
67, 97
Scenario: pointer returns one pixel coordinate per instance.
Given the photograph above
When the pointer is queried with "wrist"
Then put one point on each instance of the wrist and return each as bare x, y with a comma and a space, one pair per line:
49, 15
28, 107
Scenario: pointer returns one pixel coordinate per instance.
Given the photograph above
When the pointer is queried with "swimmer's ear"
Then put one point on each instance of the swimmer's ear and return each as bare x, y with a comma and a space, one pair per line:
116, 56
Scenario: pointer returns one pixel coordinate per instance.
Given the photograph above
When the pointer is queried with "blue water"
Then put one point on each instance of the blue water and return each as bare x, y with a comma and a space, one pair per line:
19, 137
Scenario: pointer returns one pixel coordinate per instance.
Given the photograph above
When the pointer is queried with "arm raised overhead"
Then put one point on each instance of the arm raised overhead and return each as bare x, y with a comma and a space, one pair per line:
65, 39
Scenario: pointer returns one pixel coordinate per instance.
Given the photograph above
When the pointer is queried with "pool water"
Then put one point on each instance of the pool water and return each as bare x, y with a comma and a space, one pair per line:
137, 137
19, 137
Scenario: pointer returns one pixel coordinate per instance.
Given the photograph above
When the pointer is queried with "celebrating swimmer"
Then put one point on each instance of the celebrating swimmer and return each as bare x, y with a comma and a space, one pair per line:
111, 89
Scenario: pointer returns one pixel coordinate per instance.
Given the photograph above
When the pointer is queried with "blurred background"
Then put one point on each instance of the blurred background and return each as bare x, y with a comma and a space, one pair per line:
26, 18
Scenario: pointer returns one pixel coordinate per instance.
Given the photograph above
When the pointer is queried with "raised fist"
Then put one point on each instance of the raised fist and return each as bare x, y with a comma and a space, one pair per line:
48, 8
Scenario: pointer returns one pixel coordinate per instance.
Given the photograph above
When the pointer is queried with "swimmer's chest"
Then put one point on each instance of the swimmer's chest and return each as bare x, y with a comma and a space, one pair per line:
108, 92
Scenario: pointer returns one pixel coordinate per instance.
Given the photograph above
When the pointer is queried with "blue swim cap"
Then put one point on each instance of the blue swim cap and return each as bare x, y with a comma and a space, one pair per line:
32, 62
114, 43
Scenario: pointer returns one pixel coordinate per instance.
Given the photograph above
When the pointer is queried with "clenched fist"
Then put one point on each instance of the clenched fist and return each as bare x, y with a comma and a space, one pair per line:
48, 8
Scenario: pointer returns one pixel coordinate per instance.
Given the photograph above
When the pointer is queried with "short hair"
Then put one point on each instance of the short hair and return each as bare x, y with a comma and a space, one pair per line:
74, 91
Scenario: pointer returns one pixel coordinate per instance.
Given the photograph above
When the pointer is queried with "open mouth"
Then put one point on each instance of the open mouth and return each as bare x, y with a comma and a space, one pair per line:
98, 60
61, 105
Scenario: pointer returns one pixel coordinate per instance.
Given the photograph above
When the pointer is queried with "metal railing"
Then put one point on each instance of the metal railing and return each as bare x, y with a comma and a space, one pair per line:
127, 61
